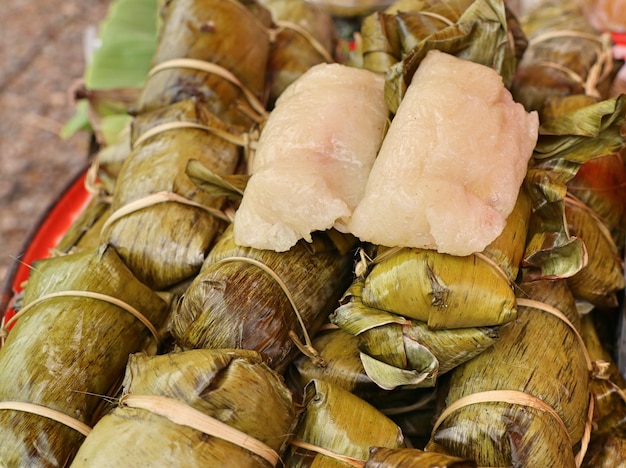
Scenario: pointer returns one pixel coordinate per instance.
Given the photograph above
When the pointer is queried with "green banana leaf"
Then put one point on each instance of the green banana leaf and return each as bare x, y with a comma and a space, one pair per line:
396, 352
540, 356
233, 387
475, 30
117, 69
565, 56
603, 277
268, 301
165, 242
328, 422
305, 36
67, 351
224, 47
565, 143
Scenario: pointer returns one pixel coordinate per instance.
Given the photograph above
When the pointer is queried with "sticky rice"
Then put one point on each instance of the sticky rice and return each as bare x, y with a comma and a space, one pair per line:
313, 158
452, 163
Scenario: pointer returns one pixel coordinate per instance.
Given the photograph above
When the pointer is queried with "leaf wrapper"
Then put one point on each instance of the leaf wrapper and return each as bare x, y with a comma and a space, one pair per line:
236, 304
328, 422
65, 351
232, 386
166, 243
231, 34
305, 36
400, 353
475, 30
539, 355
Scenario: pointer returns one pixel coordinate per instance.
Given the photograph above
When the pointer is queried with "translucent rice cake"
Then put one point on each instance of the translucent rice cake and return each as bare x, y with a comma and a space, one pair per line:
451, 166
313, 157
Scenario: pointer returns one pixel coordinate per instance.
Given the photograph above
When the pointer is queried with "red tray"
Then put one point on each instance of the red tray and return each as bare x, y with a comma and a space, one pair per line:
45, 236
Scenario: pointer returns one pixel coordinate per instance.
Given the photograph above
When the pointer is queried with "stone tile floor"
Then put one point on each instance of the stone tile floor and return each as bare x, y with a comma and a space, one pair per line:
41, 58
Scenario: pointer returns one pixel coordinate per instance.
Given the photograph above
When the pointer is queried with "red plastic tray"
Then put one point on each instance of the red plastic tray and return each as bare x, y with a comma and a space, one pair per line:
46, 235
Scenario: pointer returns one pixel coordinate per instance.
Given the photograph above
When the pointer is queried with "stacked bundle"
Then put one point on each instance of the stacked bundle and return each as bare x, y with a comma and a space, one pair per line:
381, 262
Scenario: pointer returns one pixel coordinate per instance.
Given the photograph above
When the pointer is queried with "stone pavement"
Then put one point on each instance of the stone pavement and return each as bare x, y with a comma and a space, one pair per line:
41, 57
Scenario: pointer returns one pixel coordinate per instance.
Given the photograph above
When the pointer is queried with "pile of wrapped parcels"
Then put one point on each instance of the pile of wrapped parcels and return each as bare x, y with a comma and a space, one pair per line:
340, 233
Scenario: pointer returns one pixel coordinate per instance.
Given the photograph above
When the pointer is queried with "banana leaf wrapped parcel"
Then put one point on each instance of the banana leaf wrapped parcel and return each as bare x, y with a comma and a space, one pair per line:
602, 278
263, 300
304, 36
565, 144
162, 224
523, 401
219, 57
194, 408
607, 388
343, 368
327, 435
566, 56
606, 452
399, 353
82, 315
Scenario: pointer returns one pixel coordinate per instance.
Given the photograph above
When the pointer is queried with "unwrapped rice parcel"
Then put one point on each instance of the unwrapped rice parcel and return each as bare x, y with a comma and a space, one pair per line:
451, 165
313, 157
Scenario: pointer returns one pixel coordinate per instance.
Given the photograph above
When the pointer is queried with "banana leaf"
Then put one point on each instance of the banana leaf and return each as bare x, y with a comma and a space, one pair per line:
344, 369
336, 421
381, 457
608, 384
68, 349
448, 291
381, 33
165, 395
108, 162
116, 70
263, 300
565, 143
606, 452
601, 185
224, 45
523, 401
475, 30
603, 276
305, 36
400, 353
565, 56
442, 290
165, 241
84, 232
350, 8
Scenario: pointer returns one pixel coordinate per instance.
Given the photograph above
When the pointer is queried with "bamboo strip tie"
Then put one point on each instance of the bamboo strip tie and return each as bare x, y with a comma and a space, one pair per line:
155, 199
46, 412
240, 140
329, 453
184, 415
319, 48
86, 294
215, 69
521, 398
